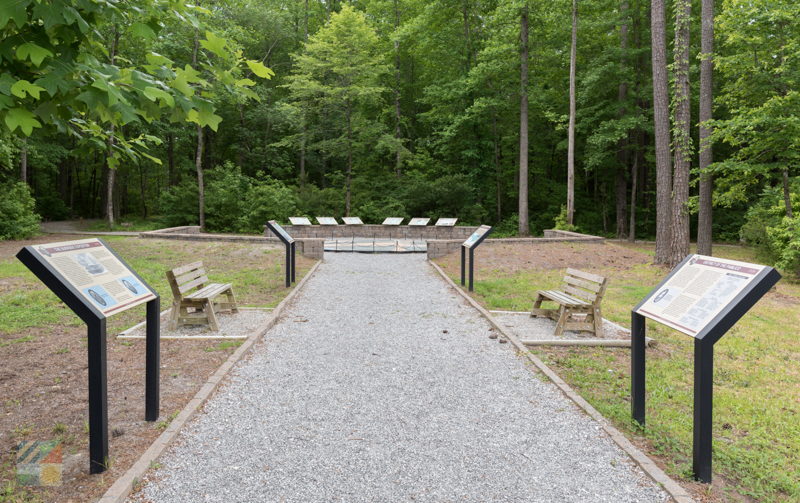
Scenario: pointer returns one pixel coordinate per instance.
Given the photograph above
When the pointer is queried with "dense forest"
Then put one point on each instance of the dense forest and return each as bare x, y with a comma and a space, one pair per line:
625, 118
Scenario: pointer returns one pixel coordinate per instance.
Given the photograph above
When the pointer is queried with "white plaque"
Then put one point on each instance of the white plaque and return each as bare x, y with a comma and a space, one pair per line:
327, 221
352, 221
93, 270
419, 221
475, 236
694, 294
446, 222
393, 221
299, 221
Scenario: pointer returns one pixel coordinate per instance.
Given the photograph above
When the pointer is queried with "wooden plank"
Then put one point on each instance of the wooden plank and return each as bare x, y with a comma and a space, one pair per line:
586, 275
189, 276
587, 285
209, 292
581, 294
563, 298
186, 268
193, 284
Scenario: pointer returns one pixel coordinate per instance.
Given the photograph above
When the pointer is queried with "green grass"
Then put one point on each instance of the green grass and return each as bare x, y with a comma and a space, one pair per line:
757, 376
222, 346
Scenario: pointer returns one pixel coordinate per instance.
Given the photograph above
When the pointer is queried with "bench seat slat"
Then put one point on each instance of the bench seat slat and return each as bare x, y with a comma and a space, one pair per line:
209, 292
563, 298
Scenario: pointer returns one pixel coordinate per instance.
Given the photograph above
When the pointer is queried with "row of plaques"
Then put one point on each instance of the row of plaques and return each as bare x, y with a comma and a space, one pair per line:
415, 222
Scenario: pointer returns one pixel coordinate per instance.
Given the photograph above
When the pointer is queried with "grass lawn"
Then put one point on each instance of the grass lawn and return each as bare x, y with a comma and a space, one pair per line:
43, 375
757, 365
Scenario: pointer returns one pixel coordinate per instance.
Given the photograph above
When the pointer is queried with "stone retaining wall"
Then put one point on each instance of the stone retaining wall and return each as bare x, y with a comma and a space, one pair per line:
441, 247
461, 232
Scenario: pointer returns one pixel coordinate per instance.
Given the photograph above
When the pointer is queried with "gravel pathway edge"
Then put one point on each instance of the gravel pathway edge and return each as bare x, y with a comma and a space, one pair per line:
124, 485
675, 490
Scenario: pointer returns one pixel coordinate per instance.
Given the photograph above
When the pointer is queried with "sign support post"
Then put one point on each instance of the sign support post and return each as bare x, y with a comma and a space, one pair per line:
94, 282
472, 242
702, 297
289, 243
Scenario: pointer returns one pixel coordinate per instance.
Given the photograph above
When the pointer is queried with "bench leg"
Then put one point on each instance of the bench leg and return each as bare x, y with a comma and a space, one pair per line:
537, 310
562, 320
211, 315
232, 301
598, 322
174, 314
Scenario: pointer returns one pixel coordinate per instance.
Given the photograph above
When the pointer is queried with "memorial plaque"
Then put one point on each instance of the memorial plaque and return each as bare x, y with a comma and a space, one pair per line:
697, 292
96, 272
327, 221
446, 222
419, 221
299, 221
393, 221
352, 221
476, 237
284, 236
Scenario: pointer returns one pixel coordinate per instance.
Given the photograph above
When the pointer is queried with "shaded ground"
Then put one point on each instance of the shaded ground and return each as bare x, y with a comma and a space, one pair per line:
43, 378
757, 370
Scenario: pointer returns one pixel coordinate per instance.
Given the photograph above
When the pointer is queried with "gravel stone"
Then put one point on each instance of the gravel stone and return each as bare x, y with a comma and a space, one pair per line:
380, 384
525, 326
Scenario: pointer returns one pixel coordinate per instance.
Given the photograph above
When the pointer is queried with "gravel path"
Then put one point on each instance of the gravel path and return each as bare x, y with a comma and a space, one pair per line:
524, 326
380, 384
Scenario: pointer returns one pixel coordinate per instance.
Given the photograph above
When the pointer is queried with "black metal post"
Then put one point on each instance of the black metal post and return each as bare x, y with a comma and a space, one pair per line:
153, 360
638, 369
471, 266
288, 265
98, 402
703, 407
294, 255
463, 265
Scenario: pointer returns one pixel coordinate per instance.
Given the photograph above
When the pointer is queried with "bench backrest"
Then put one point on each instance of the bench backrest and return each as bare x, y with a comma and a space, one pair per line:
186, 278
585, 285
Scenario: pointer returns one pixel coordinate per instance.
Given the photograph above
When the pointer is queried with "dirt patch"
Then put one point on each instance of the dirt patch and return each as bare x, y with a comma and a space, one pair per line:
43, 378
509, 258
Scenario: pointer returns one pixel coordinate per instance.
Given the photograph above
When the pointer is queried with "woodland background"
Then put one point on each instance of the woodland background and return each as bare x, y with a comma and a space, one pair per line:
232, 112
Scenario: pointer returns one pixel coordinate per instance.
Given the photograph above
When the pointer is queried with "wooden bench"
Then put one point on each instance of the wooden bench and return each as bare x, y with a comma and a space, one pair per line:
580, 293
190, 291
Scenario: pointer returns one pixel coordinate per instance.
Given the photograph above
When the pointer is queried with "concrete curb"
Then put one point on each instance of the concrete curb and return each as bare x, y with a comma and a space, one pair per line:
124, 485
678, 493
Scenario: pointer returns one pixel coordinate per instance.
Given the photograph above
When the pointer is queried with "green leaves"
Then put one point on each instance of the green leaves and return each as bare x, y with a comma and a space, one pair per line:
15, 10
153, 94
22, 119
204, 115
259, 69
35, 53
21, 88
215, 44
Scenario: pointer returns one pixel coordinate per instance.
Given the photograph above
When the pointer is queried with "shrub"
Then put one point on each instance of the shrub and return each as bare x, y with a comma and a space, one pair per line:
178, 205
266, 200
784, 244
560, 222
18, 218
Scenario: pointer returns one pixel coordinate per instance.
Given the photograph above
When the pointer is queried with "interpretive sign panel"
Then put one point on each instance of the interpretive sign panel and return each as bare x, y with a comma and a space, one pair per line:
93, 270
327, 221
280, 232
299, 221
352, 221
476, 237
419, 221
393, 221
694, 294
446, 222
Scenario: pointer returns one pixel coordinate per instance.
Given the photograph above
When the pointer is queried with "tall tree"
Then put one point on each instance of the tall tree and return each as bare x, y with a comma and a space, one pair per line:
524, 227
661, 131
339, 74
681, 131
704, 232
621, 182
571, 127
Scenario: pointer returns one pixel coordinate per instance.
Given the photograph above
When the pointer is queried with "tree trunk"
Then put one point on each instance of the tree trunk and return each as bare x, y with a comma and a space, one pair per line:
662, 133
111, 170
303, 175
634, 177
571, 129
171, 175
497, 170
397, 117
621, 182
349, 163
682, 140
704, 230
787, 197
23, 161
524, 227
198, 166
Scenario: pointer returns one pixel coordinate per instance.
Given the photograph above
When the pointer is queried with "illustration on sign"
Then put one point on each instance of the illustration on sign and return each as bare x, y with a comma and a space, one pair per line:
299, 221
697, 292
475, 236
327, 221
97, 273
352, 221
393, 221
419, 221
446, 222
